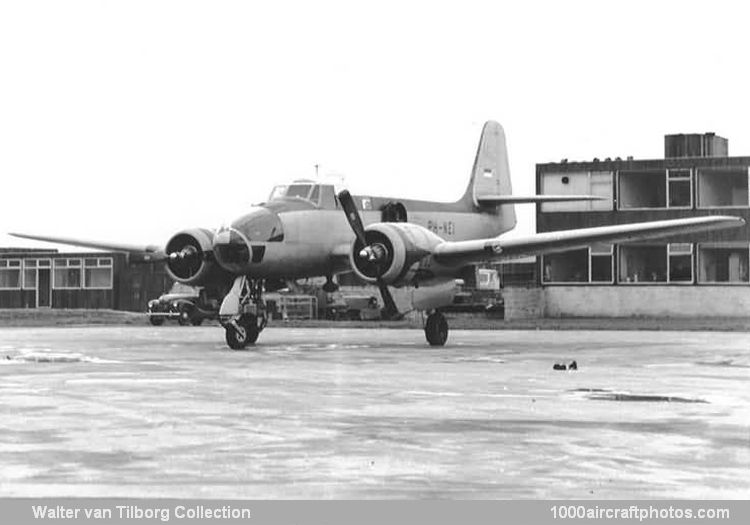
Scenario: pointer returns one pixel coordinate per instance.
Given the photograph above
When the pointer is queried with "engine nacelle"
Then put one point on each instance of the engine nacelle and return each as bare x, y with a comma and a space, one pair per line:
196, 264
405, 245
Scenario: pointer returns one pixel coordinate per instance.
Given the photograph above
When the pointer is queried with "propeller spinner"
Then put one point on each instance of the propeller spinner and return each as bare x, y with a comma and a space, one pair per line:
375, 254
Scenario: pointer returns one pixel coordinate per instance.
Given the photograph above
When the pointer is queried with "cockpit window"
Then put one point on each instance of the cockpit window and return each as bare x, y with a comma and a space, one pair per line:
293, 190
299, 190
278, 192
315, 194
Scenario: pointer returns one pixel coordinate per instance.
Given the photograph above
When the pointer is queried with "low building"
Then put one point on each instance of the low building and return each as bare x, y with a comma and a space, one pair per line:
49, 279
703, 274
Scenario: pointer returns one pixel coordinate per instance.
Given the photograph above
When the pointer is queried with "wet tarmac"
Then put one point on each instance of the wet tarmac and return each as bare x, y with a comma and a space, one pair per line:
322, 413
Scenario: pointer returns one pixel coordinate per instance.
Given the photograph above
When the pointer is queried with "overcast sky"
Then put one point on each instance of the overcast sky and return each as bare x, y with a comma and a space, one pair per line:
130, 120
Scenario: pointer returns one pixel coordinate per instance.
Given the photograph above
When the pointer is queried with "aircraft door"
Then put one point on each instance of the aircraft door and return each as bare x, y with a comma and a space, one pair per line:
43, 288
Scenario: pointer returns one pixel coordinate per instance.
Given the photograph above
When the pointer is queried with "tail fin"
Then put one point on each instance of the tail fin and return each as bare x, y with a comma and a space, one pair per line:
491, 173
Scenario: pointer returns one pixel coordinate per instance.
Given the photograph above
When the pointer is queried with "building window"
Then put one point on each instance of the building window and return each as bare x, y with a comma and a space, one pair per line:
601, 263
29, 273
671, 263
597, 183
680, 262
723, 263
722, 187
66, 274
10, 274
587, 265
643, 264
97, 273
679, 188
642, 189
566, 267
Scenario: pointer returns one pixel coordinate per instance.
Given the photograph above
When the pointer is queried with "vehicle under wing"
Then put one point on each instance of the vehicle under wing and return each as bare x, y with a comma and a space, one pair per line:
496, 249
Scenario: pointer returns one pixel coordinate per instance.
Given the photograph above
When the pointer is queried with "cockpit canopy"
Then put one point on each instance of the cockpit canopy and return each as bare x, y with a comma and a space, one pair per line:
301, 189
321, 195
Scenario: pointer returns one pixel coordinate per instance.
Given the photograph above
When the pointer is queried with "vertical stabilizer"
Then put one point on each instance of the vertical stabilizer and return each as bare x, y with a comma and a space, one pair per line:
491, 174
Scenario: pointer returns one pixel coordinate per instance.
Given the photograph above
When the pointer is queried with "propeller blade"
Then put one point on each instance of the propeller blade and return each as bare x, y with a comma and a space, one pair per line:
352, 215
375, 253
390, 309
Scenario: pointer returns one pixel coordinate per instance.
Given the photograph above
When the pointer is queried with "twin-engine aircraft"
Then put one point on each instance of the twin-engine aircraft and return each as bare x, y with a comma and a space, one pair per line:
306, 230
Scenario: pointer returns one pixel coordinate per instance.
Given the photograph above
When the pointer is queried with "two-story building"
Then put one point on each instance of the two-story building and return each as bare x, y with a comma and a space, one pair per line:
703, 274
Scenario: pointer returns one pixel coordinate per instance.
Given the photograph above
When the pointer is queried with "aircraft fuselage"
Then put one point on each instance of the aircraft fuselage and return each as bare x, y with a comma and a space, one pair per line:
313, 240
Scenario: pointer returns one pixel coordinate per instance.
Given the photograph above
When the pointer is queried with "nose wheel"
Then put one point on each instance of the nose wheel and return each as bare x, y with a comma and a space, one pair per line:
436, 329
243, 332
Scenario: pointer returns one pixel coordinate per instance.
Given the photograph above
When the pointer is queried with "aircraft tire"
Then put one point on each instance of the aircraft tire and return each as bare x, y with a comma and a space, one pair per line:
156, 321
436, 329
235, 339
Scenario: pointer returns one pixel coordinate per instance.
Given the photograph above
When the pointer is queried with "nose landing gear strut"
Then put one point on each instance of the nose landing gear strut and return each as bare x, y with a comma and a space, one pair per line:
243, 313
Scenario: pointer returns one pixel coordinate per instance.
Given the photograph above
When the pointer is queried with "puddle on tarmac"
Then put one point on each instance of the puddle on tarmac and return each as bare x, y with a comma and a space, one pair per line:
730, 363
616, 396
47, 356
603, 394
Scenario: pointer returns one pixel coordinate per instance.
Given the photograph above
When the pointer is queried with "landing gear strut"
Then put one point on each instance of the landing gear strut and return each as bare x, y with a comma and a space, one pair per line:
243, 313
436, 329
330, 286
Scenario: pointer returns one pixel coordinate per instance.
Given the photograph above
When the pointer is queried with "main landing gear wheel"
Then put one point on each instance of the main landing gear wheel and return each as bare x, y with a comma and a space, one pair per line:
436, 329
244, 333
156, 321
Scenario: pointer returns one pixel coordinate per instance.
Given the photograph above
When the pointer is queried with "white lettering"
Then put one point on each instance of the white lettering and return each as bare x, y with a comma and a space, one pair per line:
98, 514
57, 513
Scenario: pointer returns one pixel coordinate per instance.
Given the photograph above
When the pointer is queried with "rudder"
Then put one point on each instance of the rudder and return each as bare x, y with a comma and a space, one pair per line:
491, 173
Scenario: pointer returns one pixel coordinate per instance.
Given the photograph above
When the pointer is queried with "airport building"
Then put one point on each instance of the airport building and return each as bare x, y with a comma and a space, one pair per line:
702, 274
32, 278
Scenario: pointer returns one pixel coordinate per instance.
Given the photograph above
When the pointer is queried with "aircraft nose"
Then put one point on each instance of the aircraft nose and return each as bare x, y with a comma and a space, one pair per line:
231, 249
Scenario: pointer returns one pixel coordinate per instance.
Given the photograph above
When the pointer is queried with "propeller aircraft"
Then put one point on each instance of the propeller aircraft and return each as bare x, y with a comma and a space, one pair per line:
306, 229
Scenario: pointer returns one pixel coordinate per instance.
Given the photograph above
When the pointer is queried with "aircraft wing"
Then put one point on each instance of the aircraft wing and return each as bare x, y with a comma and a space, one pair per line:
521, 199
149, 253
494, 249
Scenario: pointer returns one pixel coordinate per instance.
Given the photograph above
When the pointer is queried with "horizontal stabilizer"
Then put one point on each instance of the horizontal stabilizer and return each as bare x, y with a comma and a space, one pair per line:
497, 200
151, 253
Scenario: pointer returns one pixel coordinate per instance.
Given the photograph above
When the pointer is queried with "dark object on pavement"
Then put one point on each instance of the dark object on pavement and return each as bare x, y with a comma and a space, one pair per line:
562, 366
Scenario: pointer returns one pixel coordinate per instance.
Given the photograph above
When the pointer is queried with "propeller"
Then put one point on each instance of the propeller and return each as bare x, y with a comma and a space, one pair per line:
186, 261
188, 252
375, 254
